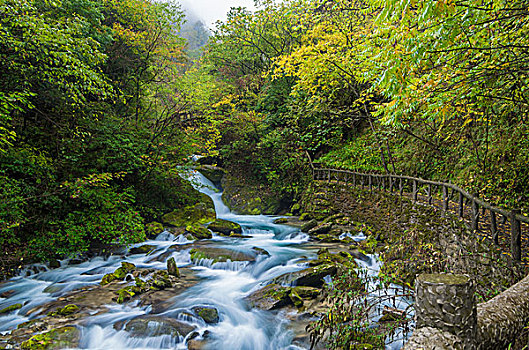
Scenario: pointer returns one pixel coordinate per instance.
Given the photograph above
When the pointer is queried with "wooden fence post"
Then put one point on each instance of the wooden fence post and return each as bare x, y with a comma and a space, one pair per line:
415, 191
446, 199
329, 177
475, 215
516, 236
370, 183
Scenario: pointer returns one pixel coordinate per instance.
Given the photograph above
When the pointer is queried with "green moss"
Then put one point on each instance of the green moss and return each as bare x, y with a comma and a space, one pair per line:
60, 338
225, 227
153, 229
200, 213
124, 294
10, 308
65, 311
199, 232
119, 274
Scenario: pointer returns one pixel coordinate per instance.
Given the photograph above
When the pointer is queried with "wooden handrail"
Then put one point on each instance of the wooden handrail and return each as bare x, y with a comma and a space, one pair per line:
514, 216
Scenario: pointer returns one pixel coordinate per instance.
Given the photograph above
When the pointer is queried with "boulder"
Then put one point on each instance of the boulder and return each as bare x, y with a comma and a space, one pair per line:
143, 249
299, 294
281, 221
59, 338
320, 229
309, 277
172, 269
119, 274
212, 173
260, 251
271, 297
306, 217
198, 232
309, 225
225, 227
200, 213
209, 314
152, 326
10, 308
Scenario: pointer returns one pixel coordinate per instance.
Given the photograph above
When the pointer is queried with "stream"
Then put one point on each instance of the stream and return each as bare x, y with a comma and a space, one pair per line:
222, 285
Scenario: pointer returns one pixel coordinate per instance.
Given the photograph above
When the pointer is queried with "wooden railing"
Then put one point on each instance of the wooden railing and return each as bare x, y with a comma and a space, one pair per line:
447, 196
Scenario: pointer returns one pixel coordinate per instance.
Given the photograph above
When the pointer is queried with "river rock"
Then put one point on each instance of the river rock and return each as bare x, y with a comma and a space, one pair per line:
306, 217
309, 277
212, 173
299, 294
59, 338
152, 326
260, 251
309, 225
119, 274
198, 232
172, 269
209, 314
143, 249
281, 221
219, 254
225, 227
320, 229
10, 308
200, 213
271, 297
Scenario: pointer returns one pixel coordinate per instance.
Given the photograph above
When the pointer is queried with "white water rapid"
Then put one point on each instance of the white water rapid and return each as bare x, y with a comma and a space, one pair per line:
221, 285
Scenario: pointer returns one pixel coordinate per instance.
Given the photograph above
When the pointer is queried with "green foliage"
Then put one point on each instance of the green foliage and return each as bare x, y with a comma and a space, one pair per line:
90, 96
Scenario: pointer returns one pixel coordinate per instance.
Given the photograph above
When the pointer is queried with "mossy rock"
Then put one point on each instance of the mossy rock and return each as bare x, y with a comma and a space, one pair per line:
309, 225
309, 277
210, 315
125, 294
320, 229
260, 251
172, 269
160, 280
198, 232
144, 249
299, 294
119, 274
153, 229
296, 208
218, 255
271, 297
281, 221
212, 173
200, 213
306, 217
69, 309
225, 227
10, 308
250, 198
60, 338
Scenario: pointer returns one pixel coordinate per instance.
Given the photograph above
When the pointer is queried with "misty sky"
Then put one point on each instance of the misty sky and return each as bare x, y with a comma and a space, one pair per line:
212, 10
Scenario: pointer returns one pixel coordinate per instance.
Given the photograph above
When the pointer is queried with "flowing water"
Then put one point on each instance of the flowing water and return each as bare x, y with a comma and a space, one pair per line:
222, 285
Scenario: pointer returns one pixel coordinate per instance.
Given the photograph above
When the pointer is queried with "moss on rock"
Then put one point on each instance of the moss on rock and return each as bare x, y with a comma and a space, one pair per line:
60, 338
200, 213
10, 308
225, 227
198, 232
